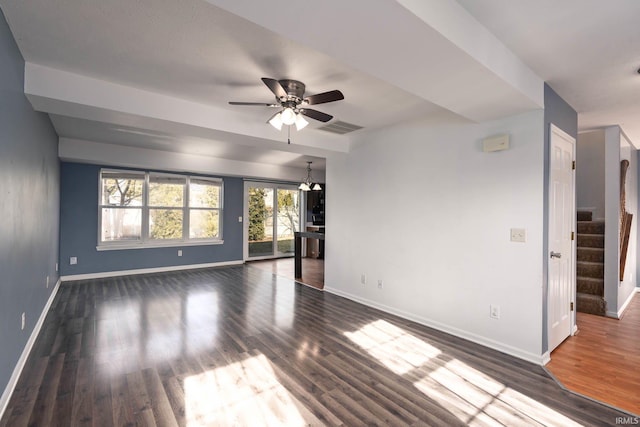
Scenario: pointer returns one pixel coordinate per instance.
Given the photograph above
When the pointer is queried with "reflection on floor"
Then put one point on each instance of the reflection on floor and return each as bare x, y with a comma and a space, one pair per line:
603, 360
238, 346
312, 270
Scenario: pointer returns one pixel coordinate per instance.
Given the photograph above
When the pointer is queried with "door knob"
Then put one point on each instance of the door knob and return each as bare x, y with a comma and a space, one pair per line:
556, 254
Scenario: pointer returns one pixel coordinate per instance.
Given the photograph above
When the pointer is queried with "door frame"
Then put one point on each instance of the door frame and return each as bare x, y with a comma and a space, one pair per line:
556, 132
245, 213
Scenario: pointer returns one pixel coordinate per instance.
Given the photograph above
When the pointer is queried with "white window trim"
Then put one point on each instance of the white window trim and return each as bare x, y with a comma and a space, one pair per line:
145, 241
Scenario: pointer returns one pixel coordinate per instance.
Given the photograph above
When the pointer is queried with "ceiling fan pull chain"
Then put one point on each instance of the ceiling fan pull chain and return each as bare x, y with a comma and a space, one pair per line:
289, 135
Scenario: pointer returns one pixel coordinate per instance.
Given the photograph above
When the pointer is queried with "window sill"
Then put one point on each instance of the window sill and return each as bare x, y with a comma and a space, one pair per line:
154, 245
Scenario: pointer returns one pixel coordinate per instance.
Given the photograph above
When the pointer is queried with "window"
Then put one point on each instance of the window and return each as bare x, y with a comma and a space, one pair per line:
154, 209
166, 207
204, 209
121, 207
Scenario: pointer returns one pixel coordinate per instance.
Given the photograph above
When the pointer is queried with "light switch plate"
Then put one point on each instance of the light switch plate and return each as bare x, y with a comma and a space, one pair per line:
518, 235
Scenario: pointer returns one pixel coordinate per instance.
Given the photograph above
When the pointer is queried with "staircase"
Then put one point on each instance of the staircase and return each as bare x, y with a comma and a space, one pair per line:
590, 265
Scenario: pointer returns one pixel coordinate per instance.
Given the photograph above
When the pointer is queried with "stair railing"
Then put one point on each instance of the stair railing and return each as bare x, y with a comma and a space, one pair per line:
625, 218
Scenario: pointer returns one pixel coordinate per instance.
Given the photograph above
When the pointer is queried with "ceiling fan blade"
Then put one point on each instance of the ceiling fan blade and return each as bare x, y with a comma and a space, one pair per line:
321, 98
262, 104
275, 87
317, 115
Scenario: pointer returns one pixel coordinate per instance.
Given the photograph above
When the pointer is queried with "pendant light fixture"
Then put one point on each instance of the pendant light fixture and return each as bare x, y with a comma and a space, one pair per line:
307, 184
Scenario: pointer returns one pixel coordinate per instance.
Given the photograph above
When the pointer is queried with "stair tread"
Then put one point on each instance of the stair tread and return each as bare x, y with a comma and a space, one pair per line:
589, 296
593, 222
590, 234
590, 248
590, 279
590, 262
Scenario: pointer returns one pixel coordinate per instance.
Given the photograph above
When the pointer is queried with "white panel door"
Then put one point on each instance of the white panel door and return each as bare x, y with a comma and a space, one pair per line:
561, 225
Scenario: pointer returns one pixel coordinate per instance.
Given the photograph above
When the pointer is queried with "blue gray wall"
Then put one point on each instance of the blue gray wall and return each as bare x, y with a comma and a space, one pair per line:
79, 185
29, 207
562, 115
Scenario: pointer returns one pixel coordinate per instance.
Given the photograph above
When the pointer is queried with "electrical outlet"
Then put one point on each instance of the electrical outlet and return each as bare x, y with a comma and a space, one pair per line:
494, 311
23, 320
56, 267
518, 235
363, 279
47, 282
239, 219
73, 260
179, 252
380, 284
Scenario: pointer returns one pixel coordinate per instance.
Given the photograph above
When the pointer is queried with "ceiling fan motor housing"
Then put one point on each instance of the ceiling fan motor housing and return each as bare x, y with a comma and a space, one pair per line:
294, 88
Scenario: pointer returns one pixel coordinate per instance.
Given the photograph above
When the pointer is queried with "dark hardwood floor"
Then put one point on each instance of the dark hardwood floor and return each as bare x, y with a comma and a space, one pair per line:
312, 270
241, 346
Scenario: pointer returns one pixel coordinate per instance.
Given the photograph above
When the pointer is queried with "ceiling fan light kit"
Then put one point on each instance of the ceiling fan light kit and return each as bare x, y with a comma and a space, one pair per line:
276, 121
290, 98
301, 123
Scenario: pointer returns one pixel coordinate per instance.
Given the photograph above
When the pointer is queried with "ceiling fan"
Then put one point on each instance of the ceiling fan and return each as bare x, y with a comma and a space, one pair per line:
290, 97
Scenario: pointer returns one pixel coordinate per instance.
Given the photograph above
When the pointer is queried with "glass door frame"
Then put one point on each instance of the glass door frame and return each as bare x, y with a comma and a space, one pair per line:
275, 186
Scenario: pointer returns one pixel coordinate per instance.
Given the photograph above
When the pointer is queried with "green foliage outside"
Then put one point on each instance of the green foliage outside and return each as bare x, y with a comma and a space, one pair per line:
165, 223
288, 210
203, 223
258, 213
166, 201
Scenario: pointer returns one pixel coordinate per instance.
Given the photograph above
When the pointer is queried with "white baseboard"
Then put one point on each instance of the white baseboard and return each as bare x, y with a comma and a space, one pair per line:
105, 274
618, 314
538, 359
13, 381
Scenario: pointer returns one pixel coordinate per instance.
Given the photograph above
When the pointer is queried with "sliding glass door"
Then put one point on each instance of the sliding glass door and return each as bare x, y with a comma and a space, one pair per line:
272, 215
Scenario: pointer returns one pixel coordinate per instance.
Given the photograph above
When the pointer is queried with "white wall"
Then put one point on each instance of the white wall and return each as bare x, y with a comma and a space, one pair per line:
590, 173
421, 207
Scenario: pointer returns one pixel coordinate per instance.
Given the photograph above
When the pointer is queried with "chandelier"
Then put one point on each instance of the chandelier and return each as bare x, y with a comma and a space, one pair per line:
307, 184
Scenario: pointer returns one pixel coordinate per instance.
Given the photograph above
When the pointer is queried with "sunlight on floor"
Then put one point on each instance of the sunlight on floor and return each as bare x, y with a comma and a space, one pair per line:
397, 350
244, 393
471, 395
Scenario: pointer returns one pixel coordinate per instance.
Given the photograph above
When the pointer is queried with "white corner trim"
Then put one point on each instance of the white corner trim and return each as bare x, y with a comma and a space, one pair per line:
104, 274
13, 381
619, 313
546, 357
538, 359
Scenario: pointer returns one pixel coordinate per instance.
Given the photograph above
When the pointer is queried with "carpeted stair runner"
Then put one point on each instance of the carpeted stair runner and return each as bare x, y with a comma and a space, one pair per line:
590, 265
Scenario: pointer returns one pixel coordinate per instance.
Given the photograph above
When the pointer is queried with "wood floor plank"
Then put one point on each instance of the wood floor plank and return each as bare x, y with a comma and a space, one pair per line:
102, 405
42, 412
160, 405
83, 396
240, 346
63, 407
142, 412
122, 407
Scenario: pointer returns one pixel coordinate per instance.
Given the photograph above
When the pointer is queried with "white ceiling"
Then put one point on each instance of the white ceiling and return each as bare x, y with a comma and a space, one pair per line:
393, 60
587, 50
